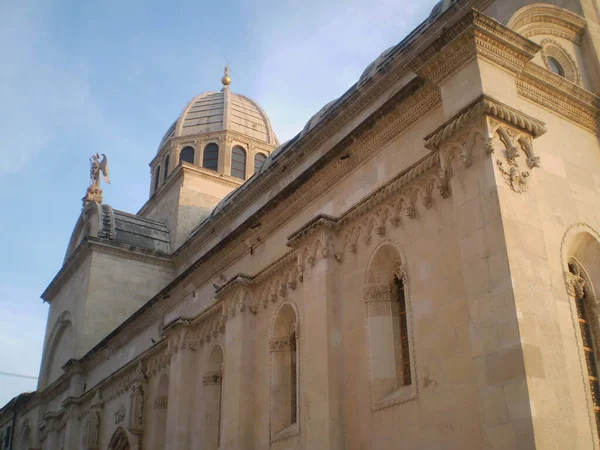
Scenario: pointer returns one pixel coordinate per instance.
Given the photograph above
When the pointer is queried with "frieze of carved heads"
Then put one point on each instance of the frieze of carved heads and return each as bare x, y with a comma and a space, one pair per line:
136, 418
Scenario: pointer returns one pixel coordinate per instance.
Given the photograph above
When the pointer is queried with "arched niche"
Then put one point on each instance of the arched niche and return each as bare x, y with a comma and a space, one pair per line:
283, 347
388, 327
119, 440
212, 397
60, 348
580, 253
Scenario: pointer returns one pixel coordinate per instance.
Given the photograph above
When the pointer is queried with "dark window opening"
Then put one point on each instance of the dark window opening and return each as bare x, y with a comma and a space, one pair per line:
238, 162
211, 157
187, 155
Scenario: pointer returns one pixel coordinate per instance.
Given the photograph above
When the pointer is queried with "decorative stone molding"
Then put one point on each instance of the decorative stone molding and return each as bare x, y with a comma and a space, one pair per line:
545, 19
575, 283
474, 35
120, 415
161, 403
212, 378
284, 344
485, 106
551, 48
377, 293
560, 96
136, 418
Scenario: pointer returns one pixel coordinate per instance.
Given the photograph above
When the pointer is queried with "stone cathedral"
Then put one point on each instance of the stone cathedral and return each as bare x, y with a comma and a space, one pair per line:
416, 269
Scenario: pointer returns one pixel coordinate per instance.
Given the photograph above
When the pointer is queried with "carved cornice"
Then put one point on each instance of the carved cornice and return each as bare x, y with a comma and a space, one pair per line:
545, 19
560, 96
484, 105
475, 35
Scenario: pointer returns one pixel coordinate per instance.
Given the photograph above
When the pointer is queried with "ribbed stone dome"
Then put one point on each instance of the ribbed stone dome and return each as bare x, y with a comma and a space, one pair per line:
219, 111
440, 8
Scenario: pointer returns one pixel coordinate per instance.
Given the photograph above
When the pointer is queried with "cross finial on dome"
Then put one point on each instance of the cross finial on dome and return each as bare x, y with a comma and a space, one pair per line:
226, 80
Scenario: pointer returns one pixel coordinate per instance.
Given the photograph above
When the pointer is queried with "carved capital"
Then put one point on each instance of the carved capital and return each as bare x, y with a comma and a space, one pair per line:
284, 344
161, 403
214, 377
575, 284
377, 293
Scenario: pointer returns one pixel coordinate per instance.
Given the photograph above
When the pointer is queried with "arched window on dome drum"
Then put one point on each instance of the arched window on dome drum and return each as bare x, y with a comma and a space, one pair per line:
259, 160
166, 174
156, 177
211, 157
187, 155
238, 162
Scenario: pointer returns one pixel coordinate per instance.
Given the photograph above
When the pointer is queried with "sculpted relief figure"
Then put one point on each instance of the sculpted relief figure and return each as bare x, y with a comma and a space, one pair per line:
97, 167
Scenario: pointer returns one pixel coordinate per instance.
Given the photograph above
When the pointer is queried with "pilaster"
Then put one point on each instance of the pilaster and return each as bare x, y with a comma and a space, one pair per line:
238, 404
321, 383
180, 414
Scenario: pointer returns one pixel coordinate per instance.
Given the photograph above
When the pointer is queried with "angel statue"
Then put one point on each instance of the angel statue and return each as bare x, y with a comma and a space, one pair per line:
97, 167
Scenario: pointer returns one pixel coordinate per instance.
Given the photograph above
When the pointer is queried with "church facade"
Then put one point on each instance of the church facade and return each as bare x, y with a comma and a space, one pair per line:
415, 269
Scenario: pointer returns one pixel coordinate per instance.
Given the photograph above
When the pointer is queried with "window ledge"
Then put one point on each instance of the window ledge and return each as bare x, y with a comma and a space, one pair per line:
402, 395
288, 432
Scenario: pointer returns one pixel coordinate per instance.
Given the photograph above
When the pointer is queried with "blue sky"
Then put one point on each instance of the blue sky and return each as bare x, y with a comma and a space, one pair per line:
110, 76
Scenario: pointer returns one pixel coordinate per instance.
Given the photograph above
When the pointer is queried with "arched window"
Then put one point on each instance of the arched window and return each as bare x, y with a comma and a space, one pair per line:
166, 174
259, 160
119, 441
555, 66
581, 292
161, 404
283, 347
212, 398
187, 155
210, 159
156, 177
388, 329
238, 162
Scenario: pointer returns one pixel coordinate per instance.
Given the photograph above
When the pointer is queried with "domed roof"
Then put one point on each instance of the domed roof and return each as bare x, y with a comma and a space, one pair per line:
439, 8
219, 111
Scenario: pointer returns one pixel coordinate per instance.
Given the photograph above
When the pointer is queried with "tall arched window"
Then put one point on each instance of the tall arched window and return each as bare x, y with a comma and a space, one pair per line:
259, 160
388, 328
238, 162
161, 404
187, 155
156, 177
283, 346
212, 398
210, 159
580, 290
166, 174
